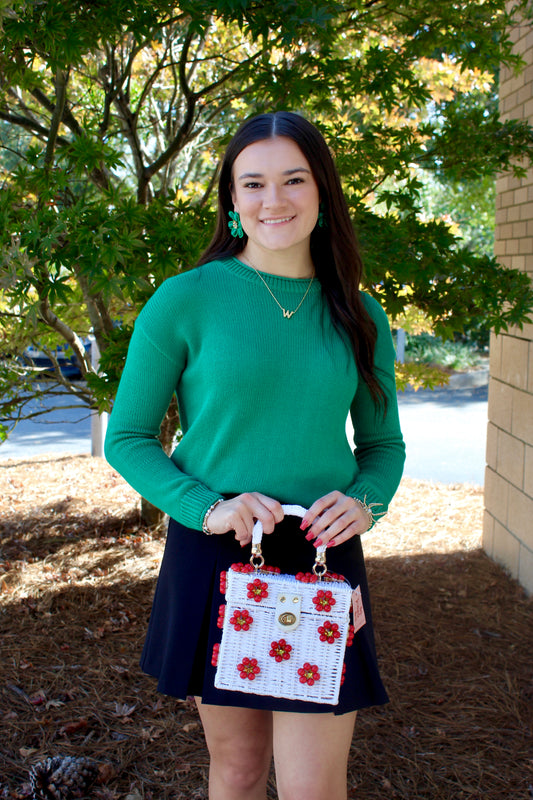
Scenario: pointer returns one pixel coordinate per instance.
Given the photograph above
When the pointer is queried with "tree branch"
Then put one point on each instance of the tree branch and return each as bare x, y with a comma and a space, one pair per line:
119, 96
150, 82
70, 336
33, 414
210, 186
24, 107
61, 80
196, 59
100, 177
183, 135
185, 128
104, 313
372, 189
30, 125
12, 150
169, 127
230, 74
101, 322
130, 131
111, 84
29, 374
68, 117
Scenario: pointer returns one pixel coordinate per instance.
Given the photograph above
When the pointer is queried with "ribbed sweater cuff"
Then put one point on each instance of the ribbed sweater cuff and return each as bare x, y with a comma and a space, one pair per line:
194, 505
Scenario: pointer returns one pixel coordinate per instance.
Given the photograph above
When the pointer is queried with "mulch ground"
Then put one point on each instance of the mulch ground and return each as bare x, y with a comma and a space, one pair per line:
77, 573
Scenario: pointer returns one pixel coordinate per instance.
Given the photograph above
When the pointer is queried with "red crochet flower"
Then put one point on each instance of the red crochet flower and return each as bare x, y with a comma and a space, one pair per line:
280, 650
343, 675
257, 590
239, 567
275, 570
329, 631
324, 600
309, 674
334, 576
214, 657
351, 634
248, 668
221, 615
223, 581
241, 620
306, 577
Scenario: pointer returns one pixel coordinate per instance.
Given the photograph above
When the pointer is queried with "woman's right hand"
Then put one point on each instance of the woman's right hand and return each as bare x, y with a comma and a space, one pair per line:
240, 513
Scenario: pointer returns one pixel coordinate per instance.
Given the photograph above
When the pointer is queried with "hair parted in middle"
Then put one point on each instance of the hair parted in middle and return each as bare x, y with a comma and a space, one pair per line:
334, 250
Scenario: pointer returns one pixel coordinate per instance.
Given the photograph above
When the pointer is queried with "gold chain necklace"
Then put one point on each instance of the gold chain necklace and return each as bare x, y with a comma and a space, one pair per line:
286, 313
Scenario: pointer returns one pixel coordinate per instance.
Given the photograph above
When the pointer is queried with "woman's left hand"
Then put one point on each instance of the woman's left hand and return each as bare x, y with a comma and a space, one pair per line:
334, 519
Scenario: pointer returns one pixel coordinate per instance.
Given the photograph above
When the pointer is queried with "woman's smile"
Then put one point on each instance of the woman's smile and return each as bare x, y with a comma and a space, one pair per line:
276, 221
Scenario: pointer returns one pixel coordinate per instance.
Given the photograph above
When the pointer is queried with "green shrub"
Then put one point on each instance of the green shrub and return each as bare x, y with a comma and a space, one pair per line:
426, 349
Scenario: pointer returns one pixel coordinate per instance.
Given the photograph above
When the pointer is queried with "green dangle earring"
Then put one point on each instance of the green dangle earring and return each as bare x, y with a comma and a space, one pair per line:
235, 224
322, 221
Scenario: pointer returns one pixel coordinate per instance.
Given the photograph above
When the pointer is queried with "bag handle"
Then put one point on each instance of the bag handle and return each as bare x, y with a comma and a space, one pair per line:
257, 560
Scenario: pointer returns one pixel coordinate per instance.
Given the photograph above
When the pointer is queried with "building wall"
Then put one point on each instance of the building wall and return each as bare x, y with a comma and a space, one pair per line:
508, 522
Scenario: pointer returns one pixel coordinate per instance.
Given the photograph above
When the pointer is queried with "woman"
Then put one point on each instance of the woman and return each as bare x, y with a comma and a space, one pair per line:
269, 345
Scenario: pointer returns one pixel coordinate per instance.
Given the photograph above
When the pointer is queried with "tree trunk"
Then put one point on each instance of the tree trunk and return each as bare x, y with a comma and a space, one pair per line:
151, 516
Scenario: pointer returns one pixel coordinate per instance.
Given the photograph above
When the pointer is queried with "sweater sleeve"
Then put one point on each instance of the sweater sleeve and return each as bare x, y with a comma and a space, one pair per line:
155, 361
379, 446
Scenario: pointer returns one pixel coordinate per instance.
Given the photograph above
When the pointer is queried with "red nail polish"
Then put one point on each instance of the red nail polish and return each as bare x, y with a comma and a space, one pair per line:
318, 542
309, 536
304, 525
331, 543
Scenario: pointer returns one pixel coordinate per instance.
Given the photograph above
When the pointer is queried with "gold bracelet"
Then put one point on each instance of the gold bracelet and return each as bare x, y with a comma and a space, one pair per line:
367, 508
204, 523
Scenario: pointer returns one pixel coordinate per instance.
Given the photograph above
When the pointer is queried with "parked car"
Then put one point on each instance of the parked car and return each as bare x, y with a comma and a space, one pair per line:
67, 363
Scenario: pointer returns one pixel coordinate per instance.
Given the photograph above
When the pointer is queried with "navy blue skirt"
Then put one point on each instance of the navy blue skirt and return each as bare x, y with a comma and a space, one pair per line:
183, 624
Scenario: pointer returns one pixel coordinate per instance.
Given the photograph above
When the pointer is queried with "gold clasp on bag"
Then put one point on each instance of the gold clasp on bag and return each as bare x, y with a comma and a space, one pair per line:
288, 610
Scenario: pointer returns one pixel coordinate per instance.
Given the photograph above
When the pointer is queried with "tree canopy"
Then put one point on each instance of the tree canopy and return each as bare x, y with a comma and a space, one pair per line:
113, 116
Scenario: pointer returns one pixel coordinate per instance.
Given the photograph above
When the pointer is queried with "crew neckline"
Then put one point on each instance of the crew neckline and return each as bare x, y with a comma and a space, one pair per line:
274, 281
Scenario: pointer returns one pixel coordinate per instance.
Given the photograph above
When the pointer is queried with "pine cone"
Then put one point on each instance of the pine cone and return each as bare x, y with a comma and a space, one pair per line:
62, 778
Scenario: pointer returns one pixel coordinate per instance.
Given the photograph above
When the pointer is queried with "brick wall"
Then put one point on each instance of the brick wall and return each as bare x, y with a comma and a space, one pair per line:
508, 523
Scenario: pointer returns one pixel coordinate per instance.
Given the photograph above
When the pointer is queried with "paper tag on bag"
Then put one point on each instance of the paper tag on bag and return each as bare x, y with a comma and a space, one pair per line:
359, 618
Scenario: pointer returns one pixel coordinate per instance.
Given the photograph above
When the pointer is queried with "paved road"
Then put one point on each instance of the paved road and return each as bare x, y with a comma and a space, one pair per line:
444, 430
445, 434
64, 430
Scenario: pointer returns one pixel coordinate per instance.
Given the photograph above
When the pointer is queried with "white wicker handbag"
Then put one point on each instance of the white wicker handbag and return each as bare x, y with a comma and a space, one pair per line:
282, 636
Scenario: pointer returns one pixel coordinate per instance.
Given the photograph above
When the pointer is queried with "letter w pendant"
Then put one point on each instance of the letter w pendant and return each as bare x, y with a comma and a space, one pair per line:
287, 314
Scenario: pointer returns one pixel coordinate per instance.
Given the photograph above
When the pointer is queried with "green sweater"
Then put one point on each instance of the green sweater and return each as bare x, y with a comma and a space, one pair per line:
263, 400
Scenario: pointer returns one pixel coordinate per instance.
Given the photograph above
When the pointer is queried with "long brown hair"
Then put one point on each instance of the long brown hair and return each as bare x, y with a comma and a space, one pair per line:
334, 249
